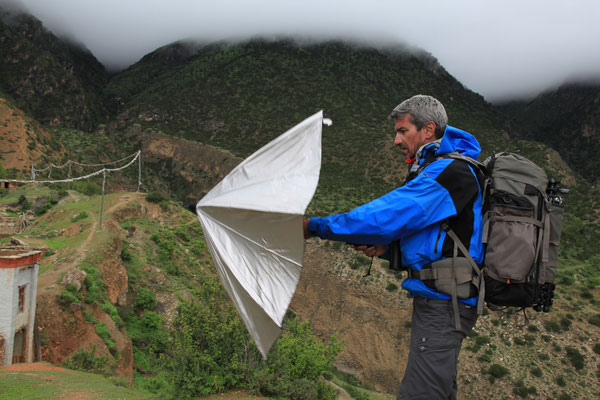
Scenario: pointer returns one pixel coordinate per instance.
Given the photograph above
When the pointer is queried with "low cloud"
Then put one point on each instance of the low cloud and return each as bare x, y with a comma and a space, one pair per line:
498, 49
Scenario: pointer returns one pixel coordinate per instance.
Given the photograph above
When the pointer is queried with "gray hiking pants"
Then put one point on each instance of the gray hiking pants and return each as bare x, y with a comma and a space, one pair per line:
434, 346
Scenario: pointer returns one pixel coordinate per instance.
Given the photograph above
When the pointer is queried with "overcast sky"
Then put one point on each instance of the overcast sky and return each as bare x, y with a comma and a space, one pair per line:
498, 48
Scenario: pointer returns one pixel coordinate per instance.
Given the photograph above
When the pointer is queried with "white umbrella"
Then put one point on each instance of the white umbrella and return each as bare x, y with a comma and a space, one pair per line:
252, 221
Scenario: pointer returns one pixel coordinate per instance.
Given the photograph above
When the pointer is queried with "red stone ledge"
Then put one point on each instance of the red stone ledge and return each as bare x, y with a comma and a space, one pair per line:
8, 260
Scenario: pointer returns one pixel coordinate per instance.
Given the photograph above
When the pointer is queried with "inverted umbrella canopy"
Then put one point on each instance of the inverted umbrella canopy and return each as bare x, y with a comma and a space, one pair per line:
252, 222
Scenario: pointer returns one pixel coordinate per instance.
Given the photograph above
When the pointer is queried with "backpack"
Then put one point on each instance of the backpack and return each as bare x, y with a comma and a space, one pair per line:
522, 228
522, 214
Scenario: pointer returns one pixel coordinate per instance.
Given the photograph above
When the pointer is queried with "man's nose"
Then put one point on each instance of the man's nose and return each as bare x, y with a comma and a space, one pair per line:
398, 140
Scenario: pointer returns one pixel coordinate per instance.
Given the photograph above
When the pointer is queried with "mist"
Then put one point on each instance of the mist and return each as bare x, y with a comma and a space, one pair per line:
502, 50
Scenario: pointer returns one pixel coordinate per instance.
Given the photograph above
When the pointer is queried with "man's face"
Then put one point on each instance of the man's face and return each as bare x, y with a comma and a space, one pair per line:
409, 138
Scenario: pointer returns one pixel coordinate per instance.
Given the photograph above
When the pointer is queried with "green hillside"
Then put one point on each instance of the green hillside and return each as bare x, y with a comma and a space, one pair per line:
239, 96
568, 120
59, 82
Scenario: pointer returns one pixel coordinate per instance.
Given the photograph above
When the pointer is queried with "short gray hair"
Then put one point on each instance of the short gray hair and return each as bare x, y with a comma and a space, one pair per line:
422, 109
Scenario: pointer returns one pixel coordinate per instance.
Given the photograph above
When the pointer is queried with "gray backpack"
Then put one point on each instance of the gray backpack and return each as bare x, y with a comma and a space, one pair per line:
523, 223
523, 213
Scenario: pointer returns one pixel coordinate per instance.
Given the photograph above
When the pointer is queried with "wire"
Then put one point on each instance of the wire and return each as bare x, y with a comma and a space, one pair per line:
82, 164
103, 170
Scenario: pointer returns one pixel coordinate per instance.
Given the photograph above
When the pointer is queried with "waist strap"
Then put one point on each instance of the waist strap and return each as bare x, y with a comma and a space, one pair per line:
442, 272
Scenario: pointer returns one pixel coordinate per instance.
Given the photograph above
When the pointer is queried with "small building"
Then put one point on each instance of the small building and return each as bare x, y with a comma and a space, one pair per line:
5, 184
18, 290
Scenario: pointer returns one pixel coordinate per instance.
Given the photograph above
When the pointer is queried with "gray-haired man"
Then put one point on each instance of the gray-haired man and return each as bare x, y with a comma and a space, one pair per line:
438, 191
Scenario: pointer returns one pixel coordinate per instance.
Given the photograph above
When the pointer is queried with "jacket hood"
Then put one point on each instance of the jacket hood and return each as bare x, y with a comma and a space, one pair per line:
460, 141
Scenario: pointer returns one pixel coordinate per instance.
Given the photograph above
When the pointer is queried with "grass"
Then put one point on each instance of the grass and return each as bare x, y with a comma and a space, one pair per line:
27, 385
353, 386
235, 396
31, 191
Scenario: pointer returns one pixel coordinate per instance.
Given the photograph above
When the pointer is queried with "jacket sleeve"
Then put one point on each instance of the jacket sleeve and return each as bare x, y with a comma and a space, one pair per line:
423, 201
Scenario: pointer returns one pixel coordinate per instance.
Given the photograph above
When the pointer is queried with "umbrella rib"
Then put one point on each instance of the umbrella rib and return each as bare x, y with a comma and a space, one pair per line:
256, 243
253, 183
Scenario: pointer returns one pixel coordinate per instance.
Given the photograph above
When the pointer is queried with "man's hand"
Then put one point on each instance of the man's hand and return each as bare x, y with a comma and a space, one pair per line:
306, 233
376, 250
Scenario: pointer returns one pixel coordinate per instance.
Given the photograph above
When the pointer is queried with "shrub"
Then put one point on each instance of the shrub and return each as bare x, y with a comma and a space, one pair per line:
126, 255
297, 360
597, 348
66, 298
111, 310
391, 287
552, 326
151, 320
86, 187
156, 197
546, 338
536, 371
565, 323
519, 341
211, 350
80, 216
560, 381
575, 357
522, 390
25, 204
498, 371
145, 299
299, 355
96, 288
72, 288
104, 334
355, 393
595, 320
82, 360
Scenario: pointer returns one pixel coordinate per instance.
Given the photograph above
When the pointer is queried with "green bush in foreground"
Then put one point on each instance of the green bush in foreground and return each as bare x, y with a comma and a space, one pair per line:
298, 358
212, 352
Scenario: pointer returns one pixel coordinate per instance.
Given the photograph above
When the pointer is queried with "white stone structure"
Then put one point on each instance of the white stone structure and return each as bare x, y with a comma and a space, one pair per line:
18, 290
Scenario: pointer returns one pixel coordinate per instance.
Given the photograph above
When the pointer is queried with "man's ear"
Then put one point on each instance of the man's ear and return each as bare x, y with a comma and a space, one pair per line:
429, 130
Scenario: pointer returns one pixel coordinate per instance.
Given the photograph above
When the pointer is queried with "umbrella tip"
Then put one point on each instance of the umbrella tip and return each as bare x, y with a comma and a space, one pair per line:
327, 121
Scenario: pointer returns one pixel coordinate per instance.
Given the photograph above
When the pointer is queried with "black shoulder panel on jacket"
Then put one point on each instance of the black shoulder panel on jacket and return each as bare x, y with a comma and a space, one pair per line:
458, 179
463, 187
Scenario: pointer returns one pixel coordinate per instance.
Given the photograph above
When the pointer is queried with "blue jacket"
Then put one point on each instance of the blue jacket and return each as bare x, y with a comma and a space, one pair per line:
446, 190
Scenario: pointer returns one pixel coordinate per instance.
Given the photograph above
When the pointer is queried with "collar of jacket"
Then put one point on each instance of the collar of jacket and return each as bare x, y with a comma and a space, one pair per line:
423, 152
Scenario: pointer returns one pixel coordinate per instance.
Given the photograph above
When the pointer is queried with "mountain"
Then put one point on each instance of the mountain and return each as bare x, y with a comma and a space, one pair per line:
239, 96
59, 82
568, 120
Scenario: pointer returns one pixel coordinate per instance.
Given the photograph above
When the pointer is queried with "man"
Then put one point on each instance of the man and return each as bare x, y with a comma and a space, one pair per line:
439, 193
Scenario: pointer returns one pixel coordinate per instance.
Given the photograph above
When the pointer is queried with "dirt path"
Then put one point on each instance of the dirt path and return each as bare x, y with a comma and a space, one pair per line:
39, 366
49, 278
81, 251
